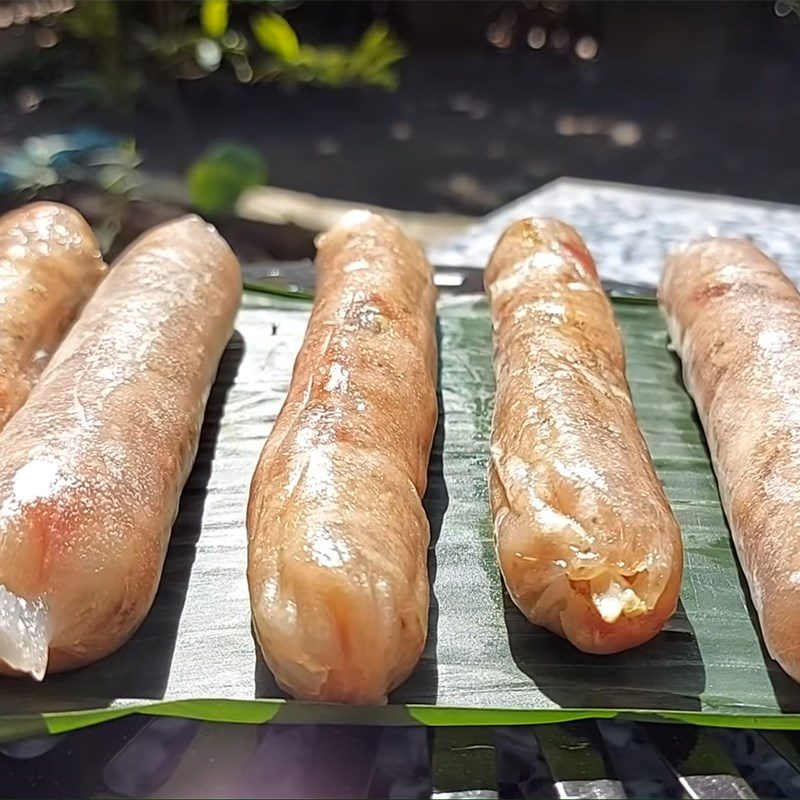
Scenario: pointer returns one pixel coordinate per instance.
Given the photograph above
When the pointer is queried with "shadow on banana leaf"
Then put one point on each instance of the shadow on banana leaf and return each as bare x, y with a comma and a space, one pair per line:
666, 672
423, 684
787, 692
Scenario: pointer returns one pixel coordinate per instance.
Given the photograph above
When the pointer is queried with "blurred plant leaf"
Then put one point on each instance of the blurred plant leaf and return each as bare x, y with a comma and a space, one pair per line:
92, 19
126, 48
327, 65
277, 36
214, 17
377, 49
221, 174
47, 166
116, 168
370, 62
19, 172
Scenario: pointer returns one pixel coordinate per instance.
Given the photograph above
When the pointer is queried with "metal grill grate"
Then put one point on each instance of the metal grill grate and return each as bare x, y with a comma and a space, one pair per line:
139, 756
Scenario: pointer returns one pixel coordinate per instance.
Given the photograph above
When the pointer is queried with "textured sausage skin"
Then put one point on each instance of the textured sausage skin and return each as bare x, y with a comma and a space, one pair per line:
734, 319
94, 463
50, 264
337, 534
586, 540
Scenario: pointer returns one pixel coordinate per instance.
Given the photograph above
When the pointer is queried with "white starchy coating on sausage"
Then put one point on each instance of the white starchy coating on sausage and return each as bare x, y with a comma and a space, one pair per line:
734, 319
337, 534
94, 463
585, 537
50, 264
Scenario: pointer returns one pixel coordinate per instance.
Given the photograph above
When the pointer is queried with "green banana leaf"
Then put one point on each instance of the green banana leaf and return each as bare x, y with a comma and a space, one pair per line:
484, 663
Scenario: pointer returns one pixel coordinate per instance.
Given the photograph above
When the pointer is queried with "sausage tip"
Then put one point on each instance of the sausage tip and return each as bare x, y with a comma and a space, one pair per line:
24, 634
351, 219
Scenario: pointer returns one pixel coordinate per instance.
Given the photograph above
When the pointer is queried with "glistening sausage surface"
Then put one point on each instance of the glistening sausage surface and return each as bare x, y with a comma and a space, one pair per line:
734, 319
50, 264
94, 463
586, 539
337, 534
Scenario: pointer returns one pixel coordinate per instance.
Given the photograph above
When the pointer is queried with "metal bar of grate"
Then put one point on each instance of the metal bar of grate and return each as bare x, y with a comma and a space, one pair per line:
700, 765
767, 772
576, 764
145, 757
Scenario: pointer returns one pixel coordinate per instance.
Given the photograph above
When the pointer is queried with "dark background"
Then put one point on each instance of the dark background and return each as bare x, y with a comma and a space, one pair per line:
693, 95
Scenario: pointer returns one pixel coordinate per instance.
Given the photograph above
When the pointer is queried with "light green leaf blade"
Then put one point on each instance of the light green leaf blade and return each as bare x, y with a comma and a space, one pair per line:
274, 34
214, 17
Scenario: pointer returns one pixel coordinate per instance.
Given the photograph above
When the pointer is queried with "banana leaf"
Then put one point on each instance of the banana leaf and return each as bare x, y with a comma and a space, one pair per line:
484, 664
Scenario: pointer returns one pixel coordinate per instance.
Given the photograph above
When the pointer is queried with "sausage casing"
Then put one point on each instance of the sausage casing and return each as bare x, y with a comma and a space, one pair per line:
50, 264
585, 536
94, 463
734, 319
337, 534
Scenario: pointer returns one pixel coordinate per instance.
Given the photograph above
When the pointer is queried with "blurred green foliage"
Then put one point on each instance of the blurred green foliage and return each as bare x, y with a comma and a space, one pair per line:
106, 51
276, 36
98, 19
371, 61
214, 17
221, 174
